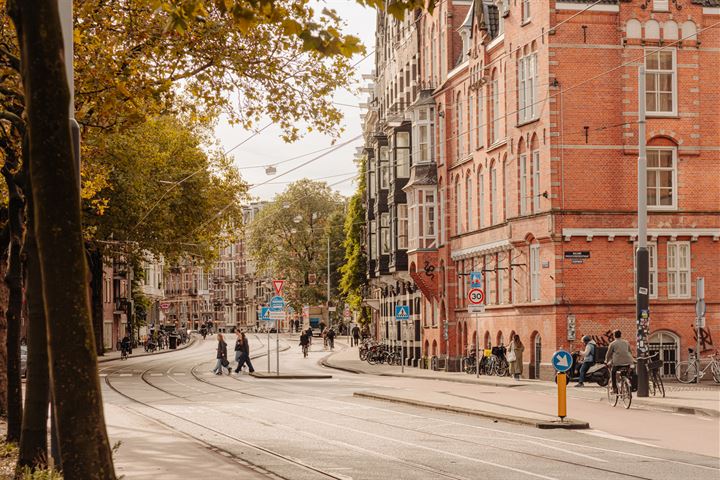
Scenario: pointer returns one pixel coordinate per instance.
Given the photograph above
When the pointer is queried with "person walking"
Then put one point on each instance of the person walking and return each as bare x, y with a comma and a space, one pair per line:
619, 356
588, 359
324, 337
221, 355
515, 356
355, 336
331, 338
245, 354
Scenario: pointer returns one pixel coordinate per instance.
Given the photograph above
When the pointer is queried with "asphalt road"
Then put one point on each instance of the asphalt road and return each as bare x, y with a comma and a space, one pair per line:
316, 429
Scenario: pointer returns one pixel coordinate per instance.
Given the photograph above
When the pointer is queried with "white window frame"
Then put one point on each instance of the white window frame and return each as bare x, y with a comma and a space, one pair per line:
385, 233
656, 171
495, 99
459, 144
536, 180
523, 184
384, 160
471, 137
679, 266
506, 189
423, 147
458, 205
674, 86
468, 203
493, 196
373, 240
534, 272
402, 166
403, 227
525, 11
527, 88
653, 262
481, 200
479, 120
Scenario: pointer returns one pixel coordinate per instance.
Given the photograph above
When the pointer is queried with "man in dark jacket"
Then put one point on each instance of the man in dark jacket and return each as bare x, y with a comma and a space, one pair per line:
355, 336
331, 338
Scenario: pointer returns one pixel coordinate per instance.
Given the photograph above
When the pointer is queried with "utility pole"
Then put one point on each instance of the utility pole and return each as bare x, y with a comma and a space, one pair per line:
642, 259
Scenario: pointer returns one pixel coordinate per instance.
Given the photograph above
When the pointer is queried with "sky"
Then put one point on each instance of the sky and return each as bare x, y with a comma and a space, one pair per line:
268, 147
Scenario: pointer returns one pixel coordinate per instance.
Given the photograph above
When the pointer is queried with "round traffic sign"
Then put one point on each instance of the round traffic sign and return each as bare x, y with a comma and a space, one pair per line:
476, 296
562, 361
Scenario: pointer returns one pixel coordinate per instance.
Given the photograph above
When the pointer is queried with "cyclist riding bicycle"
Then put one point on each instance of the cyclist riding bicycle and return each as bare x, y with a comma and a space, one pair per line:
619, 356
304, 343
125, 347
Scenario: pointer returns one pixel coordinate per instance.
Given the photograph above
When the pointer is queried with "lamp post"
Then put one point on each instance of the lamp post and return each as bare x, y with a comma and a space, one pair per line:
642, 259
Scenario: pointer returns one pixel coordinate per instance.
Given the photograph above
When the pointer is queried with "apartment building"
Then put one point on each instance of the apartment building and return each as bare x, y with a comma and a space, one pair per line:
187, 295
530, 173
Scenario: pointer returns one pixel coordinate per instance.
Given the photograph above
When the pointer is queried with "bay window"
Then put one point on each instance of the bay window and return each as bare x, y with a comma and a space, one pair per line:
384, 233
422, 218
402, 234
402, 154
423, 134
384, 157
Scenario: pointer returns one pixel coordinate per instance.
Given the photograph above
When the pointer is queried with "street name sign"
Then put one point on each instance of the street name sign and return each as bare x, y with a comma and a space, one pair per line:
402, 312
562, 361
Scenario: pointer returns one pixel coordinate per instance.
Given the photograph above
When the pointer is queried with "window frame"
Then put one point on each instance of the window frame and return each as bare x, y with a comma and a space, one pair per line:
526, 13
534, 271
468, 203
493, 196
385, 247
481, 199
674, 82
458, 205
674, 177
523, 185
536, 180
403, 226
678, 270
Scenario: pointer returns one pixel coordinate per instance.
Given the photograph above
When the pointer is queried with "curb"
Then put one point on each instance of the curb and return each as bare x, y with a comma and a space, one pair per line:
323, 362
270, 376
568, 424
104, 359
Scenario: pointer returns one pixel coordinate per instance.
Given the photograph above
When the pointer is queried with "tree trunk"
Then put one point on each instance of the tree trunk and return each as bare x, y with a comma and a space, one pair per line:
4, 296
14, 281
33, 441
84, 445
95, 261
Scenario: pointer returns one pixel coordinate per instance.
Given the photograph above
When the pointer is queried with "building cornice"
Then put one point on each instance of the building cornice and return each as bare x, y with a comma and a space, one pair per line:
631, 233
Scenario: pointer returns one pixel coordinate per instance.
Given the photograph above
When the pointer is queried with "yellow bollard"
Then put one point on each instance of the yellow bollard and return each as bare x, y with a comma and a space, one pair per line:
562, 395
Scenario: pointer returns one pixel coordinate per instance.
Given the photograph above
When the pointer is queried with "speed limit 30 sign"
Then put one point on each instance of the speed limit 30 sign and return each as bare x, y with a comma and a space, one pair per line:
476, 296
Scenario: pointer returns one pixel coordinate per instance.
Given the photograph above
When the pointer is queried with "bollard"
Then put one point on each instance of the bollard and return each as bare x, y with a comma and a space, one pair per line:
562, 395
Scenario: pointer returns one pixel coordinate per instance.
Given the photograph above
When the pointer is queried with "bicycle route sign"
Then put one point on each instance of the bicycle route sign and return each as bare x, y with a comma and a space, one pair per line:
562, 361
402, 312
277, 304
476, 280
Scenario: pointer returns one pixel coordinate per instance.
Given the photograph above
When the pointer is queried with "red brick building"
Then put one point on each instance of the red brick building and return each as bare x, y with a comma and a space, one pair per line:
535, 150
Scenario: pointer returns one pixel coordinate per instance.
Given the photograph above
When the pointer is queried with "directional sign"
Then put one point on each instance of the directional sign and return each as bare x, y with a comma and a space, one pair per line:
476, 296
265, 314
402, 312
562, 361
476, 280
278, 284
277, 304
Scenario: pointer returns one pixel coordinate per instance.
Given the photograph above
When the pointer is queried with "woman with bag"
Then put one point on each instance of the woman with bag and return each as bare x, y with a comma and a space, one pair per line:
514, 357
222, 361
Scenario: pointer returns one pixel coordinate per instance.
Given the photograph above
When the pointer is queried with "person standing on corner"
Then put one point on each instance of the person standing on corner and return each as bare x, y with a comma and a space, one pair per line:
222, 361
245, 354
355, 336
515, 357
588, 356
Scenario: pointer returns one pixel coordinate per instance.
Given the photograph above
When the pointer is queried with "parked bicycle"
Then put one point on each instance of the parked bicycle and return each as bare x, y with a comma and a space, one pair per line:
689, 371
654, 365
624, 387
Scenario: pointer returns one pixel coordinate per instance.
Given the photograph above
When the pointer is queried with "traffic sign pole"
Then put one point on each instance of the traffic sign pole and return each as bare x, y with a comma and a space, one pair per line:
562, 395
477, 345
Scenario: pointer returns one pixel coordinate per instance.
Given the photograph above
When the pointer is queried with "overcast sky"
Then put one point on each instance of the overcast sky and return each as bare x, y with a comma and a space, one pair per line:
268, 147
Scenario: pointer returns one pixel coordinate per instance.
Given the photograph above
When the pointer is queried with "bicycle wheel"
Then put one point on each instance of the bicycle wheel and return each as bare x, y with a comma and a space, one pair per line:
612, 398
626, 392
468, 365
372, 359
685, 372
715, 369
502, 369
363, 354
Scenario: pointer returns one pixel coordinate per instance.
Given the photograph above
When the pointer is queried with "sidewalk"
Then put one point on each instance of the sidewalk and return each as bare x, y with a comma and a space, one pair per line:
703, 399
140, 352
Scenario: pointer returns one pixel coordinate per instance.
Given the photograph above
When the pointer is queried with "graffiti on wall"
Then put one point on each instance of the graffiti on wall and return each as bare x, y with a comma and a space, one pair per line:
603, 340
705, 338
429, 269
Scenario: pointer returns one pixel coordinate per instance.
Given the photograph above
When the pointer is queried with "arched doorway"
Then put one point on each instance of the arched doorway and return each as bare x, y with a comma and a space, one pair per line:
537, 354
668, 344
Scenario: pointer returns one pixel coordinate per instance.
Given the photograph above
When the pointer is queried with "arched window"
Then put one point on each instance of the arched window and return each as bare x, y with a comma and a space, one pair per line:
670, 30
471, 119
535, 174
689, 30
493, 195
652, 30
506, 189
522, 178
481, 199
468, 203
459, 143
458, 206
494, 108
633, 29
479, 120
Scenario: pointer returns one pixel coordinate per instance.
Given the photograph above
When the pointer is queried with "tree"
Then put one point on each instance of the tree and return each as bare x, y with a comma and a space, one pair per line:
288, 239
354, 268
84, 445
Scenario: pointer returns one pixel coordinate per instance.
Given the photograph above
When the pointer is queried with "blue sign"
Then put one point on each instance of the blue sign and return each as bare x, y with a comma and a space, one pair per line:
476, 280
265, 314
402, 312
562, 361
277, 304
